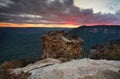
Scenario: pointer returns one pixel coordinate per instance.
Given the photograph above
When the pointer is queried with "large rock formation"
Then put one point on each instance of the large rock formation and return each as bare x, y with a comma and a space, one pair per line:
60, 45
75, 69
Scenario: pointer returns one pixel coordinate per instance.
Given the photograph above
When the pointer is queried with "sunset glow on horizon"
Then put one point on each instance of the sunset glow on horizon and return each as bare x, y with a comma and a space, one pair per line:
59, 13
24, 25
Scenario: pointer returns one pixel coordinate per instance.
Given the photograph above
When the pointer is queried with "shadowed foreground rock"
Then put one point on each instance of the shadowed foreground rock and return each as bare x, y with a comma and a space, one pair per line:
13, 64
74, 69
60, 45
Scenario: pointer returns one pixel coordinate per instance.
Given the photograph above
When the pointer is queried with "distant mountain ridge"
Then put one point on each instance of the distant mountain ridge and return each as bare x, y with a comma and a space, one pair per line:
98, 34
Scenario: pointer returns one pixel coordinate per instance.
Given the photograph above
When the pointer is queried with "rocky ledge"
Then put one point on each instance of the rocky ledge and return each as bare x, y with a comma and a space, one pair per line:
75, 69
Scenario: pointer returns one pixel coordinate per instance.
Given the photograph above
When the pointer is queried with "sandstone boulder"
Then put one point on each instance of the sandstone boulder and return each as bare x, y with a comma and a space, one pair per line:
60, 45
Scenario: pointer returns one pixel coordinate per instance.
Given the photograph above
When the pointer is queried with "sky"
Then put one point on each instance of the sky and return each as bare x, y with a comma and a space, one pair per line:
58, 13
104, 6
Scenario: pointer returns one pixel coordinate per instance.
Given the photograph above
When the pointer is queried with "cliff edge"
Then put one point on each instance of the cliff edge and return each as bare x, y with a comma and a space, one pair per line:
74, 69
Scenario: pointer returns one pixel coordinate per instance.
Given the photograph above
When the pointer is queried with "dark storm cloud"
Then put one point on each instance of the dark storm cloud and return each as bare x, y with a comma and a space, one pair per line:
52, 11
36, 6
49, 9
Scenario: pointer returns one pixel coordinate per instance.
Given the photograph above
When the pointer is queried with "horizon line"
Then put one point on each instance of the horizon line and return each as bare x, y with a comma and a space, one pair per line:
33, 25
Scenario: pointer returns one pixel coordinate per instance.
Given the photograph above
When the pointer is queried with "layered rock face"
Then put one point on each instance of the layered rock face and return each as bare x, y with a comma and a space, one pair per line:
60, 45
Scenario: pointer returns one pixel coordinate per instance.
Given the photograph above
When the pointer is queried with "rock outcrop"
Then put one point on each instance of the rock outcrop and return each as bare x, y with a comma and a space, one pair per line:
74, 69
60, 45
5, 68
110, 51
96, 51
13, 64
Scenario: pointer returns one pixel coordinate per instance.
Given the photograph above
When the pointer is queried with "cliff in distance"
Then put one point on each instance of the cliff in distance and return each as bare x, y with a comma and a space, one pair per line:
99, 34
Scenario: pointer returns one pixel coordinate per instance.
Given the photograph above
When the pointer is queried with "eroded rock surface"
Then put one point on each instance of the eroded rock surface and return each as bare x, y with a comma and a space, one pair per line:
74, 69
37, 65
60, 45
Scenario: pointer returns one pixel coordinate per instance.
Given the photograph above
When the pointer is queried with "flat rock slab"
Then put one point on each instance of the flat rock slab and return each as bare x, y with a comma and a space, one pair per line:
75, 69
